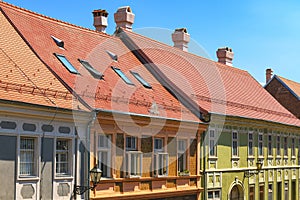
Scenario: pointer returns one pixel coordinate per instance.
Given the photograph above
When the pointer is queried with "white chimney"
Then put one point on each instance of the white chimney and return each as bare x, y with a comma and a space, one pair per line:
100, 20
269, 74
225, 55
124, 18
181, 39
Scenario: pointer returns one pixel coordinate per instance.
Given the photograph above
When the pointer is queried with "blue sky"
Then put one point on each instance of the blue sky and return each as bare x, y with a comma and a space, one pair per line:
262, 33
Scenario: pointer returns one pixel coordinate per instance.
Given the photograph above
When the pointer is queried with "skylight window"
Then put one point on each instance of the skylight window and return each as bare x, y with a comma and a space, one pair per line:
92, 70
66, 63
141, 80
112, 55
122, 75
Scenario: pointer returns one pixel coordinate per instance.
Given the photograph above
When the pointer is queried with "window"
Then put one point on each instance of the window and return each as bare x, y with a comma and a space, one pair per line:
161, 164
234, 143
27, 156
260, 145
252, 192
261, 192
286, 190
214, 195
66, 63
270, 192
212, 143
158, 144
134, 163
278, 146
141, 80
270, 153
131, 143
104, 154
250, 144
285, 146
293, 148
122, 75
92, 70
181, 154
299, 155
62, 156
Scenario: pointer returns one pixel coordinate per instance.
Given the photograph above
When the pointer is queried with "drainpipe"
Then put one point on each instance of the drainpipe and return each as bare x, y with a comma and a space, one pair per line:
87, 153
204, 164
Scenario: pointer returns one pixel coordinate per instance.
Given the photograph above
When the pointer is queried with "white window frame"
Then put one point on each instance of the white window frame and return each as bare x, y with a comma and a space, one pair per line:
182, 151
235, 141
293, 148
214, 194
35, 151
270, 145
285, 146
278, 146
137, 167
106, 148
260, 145
212, 143
161, 141
159, 164
133, 145
250, 141
69, 157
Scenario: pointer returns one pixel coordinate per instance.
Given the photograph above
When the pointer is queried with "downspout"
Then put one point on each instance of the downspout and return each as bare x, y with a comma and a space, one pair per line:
204, 164
87, 142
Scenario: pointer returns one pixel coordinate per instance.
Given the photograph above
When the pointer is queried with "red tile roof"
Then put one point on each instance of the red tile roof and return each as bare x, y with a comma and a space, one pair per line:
293, 86
216, 87
24, 78
111, 93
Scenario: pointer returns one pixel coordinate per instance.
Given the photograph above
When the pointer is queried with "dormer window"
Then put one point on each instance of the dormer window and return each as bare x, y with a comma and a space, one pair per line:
122, 75
66, 63
92, 70
58, 42
112, 56
141, 80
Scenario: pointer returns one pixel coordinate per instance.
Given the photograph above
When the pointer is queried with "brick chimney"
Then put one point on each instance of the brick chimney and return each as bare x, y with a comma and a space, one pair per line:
269, 74
100, 20
181, 38
225, 55
124, 18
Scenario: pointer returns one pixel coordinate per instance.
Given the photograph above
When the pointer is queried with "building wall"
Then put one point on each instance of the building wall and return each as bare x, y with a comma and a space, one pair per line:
149, 185
225, 172
7, 166
284, 97
44, 182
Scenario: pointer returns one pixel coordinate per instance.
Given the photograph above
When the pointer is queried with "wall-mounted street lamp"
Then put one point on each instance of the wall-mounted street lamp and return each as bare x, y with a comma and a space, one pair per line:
250, 173
95, 174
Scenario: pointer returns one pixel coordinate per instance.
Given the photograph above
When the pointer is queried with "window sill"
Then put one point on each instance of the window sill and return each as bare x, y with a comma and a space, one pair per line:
251, 157
235, 158
63, 177
270, 157
212, 158
28, 178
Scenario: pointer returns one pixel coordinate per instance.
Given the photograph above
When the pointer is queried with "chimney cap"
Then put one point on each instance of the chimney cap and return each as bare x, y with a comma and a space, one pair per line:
124, 9
181, 30
100, 12
225, 55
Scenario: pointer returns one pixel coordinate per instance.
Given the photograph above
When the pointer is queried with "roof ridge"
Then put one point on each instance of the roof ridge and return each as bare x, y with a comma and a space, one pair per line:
24, 10
226, 67
287, 79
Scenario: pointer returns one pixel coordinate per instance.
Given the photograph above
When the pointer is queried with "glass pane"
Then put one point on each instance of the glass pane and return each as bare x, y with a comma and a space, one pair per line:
122, 75
141, 80
66, 63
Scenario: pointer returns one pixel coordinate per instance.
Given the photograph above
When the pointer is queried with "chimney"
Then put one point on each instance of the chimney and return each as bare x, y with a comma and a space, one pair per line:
100, 20
124, 18
269, 74
225, 55
181, 39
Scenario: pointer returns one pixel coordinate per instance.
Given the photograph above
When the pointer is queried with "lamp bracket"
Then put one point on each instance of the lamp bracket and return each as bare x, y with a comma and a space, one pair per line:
79, 190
